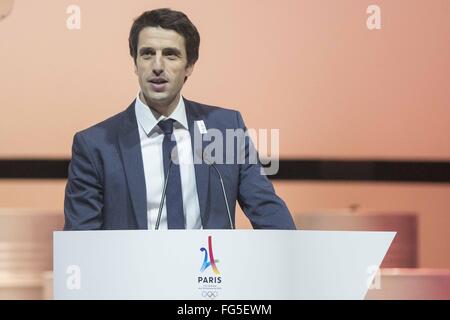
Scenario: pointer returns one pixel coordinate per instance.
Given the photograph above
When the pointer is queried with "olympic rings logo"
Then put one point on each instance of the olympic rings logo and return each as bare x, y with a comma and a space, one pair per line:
210, 294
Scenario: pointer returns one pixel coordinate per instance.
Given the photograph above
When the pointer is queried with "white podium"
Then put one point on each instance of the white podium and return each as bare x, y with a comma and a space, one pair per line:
216, 264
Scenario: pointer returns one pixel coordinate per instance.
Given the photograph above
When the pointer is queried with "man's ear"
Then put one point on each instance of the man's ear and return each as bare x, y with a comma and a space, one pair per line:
135, 68
189, 70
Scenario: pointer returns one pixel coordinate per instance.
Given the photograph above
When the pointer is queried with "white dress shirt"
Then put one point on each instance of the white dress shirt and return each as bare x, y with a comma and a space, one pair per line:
151, 146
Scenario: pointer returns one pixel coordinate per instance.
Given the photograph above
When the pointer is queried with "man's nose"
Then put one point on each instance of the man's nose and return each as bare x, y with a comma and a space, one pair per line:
158, 66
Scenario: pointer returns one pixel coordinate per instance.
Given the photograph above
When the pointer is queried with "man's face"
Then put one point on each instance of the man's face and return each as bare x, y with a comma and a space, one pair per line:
161, 65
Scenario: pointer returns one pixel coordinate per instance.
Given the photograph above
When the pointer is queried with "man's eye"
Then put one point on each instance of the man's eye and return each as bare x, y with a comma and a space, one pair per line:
146, 54
171, 56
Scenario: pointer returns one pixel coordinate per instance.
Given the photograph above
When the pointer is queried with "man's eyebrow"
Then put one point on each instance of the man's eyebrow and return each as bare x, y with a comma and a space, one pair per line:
165, 51
145, 50
174, 51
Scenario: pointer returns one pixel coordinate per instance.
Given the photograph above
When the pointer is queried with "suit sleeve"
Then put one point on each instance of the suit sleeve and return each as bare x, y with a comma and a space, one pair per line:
83, 200
256, 194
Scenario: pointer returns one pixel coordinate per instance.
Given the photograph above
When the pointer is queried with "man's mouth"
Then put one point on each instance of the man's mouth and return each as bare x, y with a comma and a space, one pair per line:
158, 84
158, 80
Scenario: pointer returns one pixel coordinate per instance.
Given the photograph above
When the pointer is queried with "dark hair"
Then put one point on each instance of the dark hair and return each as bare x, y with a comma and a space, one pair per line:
167, 19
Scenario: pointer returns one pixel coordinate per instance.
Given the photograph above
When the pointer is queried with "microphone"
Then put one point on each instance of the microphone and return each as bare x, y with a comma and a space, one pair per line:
224, 193
173, 157
163, 196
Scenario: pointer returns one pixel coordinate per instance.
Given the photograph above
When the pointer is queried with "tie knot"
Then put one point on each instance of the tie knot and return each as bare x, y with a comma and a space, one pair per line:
166, 126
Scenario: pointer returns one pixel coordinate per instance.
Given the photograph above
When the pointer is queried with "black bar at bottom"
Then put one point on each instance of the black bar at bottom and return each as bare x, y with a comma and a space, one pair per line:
296, 169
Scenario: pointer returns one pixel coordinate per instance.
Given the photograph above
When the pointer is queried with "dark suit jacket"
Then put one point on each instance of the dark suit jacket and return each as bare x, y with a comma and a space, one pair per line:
106, 184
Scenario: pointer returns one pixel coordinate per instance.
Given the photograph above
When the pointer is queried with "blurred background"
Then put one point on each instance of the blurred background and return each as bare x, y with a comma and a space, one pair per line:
359, 90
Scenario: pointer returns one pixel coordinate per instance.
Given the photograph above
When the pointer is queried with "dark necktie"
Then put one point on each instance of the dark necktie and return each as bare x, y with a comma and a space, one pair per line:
174, 198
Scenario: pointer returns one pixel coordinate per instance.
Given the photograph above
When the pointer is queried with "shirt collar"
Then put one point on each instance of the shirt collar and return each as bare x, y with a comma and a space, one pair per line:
149, 118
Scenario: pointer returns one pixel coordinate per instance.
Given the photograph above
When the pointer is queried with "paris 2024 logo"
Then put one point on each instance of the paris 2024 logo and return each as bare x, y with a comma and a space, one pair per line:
210, 284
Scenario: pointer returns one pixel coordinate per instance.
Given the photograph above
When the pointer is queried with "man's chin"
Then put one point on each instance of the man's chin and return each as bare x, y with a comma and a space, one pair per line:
158, 98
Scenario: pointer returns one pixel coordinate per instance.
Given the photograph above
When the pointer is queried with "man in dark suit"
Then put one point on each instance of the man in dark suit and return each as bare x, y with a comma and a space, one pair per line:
122, 167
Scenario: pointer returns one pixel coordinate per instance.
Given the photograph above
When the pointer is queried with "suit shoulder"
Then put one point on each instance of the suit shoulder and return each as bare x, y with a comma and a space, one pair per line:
212, 110
111, 122
108, 128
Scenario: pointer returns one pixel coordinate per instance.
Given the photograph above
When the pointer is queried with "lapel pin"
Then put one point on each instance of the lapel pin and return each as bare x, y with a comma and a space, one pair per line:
202, 127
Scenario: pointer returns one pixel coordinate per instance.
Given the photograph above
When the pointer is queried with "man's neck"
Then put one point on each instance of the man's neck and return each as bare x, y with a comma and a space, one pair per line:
163, 109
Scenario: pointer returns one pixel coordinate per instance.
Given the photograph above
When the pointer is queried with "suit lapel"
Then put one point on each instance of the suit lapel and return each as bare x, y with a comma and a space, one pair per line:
130, 148
201, 169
